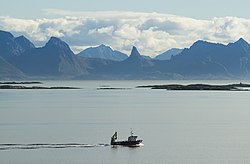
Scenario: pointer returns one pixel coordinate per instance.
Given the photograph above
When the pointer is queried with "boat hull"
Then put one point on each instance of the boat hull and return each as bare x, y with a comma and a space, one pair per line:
127, 143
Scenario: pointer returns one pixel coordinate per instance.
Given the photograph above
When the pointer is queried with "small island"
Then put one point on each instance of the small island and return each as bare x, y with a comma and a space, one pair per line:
20, 82
33, 87
16, 85
205, 87
111, 88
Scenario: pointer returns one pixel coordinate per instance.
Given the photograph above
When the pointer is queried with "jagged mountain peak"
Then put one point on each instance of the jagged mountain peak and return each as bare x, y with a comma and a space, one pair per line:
5, 34
8, 45
138, 60
242, 42
56, 42
135, 52
24, 42
6, 37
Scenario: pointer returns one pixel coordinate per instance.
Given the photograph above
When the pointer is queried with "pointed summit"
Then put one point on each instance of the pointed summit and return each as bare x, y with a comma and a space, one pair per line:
136, 60
56, 42
24, 42
6, 34
135, 53
242, 42
9, 48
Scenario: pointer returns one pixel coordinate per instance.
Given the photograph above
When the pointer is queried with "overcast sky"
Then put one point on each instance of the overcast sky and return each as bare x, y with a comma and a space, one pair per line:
152, 25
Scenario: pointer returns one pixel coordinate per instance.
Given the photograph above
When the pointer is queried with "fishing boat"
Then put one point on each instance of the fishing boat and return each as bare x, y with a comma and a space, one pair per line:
132, 140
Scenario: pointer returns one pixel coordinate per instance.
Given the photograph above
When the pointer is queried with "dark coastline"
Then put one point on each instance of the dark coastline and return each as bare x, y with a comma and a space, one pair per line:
194, 87
21, 82
205, 87
110, 88
33, 87
19, 85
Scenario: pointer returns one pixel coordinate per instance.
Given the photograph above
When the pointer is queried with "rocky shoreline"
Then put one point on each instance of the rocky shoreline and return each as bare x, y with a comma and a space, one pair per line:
110, 88
21, 82
205, 87
33, 87
16, 85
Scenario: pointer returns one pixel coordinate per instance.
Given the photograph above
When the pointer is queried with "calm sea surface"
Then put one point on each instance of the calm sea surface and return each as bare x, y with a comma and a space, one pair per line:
72, 126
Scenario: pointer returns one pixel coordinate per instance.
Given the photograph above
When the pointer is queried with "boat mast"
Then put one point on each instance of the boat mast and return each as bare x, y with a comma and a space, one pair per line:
131, 132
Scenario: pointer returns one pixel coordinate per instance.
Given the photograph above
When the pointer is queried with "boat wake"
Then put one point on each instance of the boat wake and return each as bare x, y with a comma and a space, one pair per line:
141, 144
49, 146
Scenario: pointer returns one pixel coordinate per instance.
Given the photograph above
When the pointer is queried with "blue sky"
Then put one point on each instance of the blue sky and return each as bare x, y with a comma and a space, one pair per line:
153, 26
189, 8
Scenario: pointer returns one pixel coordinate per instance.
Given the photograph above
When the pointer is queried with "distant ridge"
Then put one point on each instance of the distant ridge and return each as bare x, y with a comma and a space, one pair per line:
168, 54
103, 52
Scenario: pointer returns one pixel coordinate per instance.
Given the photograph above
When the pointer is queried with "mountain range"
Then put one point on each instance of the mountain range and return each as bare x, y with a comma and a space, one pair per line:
20, 59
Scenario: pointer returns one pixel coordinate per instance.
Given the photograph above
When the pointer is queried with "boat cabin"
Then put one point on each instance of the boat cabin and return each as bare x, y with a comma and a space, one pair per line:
132, 138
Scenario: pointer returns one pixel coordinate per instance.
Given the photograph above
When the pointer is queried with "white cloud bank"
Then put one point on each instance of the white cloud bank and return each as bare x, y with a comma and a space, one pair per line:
152, 33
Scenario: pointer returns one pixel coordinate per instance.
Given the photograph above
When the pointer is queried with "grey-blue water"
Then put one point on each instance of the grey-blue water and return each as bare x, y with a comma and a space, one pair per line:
71, 126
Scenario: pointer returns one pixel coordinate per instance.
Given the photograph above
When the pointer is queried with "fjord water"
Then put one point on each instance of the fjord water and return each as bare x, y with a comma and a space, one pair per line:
177, 127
